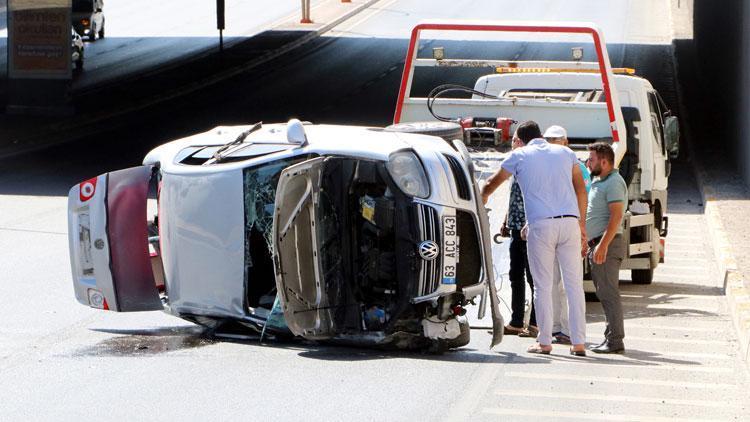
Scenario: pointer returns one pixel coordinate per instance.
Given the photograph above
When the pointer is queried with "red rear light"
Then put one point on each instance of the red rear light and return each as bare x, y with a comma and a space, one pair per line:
87, 189
85, 22
661, 248
467, 122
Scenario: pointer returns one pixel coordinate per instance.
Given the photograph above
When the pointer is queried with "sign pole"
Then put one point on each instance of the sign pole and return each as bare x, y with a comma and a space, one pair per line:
220, 22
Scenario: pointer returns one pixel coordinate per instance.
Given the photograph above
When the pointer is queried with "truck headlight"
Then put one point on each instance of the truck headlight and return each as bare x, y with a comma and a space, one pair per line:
408, 173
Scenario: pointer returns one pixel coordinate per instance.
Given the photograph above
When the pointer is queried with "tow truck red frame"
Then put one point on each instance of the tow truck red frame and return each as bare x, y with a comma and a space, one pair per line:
617, 123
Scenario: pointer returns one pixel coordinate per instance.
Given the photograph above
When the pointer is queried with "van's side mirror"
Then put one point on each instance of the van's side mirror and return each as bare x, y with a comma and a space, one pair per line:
672, 136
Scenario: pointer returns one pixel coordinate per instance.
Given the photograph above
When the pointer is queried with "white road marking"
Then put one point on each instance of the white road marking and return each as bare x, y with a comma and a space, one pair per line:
669, 327
472, 396
617, 380
670, 295
617, 398
646, 366
376, 10
578, 415
681, 340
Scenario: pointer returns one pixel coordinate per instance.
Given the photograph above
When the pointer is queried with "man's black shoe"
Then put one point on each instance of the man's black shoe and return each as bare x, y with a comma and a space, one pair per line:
607, 347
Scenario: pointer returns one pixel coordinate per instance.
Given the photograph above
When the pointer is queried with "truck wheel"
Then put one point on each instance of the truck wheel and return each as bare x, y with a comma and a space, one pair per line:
446, 130
642, 276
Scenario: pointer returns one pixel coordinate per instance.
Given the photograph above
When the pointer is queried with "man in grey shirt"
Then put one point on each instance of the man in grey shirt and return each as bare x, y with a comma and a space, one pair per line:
608, 198
554, 196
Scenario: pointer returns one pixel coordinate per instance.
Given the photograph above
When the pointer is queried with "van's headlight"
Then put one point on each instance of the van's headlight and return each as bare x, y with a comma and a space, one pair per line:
408, 173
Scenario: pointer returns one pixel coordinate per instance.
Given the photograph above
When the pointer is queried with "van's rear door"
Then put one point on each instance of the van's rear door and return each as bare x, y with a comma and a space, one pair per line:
297, 265
108, 241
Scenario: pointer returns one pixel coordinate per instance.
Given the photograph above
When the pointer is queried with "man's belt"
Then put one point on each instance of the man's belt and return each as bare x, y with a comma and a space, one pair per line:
595, 241
564, 216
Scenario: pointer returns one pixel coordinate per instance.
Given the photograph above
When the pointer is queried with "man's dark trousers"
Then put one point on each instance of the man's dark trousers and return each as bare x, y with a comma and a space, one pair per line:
606, 279
519, 266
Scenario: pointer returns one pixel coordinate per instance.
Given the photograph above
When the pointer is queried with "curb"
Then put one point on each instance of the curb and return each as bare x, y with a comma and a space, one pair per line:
738, 296
82, 127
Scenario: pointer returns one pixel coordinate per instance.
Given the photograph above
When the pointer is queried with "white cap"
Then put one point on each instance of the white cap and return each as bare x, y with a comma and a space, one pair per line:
555, 131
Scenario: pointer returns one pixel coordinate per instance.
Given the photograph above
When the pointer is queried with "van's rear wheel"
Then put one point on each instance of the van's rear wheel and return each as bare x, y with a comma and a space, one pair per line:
642, 276
446, 130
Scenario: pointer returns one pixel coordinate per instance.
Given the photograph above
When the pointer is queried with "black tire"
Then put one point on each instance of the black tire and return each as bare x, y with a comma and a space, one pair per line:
460, 341
446, 130
642, 276
101, 31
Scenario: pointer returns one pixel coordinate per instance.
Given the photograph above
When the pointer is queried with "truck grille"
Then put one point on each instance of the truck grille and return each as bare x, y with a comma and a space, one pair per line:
462, 184
429, 229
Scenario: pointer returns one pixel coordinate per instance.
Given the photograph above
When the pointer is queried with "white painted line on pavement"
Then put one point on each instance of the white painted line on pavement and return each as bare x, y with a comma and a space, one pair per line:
577, 415
671, 295
617, 380
617, 398
376, 10
709, 356
675, 307
682, 340
472, 396
671, 266
673, 327
681, 368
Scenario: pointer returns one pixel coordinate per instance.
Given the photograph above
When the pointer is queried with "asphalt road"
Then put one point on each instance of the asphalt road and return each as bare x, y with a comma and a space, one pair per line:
62, 361
142, 35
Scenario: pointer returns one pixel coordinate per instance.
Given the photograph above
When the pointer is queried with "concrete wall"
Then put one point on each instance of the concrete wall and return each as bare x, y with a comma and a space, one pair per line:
722, 60
744, 112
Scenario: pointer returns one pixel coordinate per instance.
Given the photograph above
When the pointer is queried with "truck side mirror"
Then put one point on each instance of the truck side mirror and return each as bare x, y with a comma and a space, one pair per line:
672, 136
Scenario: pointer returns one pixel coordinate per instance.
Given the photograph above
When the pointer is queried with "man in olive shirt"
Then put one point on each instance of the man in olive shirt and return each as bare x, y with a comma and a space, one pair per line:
608, 198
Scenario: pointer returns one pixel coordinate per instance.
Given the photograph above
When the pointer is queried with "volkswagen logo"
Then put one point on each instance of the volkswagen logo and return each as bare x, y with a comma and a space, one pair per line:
428, 250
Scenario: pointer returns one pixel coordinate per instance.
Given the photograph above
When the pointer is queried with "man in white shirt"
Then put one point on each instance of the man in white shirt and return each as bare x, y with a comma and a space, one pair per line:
560, 329
555, 200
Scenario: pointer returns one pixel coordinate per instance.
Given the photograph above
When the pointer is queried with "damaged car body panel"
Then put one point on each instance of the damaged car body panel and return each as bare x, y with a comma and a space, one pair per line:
108, 242
353, 234
202, 244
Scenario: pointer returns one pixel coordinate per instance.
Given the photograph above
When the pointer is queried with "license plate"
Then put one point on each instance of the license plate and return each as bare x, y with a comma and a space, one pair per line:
84, 239
449, 249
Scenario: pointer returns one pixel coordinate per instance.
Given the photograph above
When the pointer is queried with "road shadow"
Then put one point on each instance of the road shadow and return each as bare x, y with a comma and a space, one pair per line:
309, 82
670, 295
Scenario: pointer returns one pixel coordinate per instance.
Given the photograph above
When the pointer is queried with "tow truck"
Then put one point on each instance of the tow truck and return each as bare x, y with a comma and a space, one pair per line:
590, 99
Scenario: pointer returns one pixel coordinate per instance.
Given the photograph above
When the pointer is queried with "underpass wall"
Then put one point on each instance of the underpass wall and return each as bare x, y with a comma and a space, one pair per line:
744, 114
720, 85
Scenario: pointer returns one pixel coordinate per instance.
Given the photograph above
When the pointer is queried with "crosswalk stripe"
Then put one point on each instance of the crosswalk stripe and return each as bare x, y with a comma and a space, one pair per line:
650, 367
617, 398
669, 327
578, 415
616, 380
652, 295
682, 340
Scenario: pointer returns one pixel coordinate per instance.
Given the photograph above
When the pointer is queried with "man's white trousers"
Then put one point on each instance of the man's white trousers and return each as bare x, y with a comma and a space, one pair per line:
549, 239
